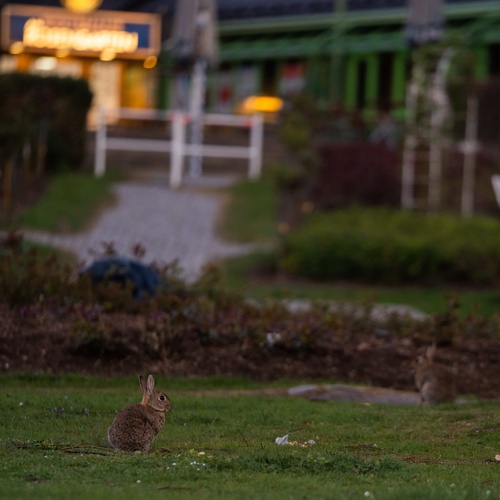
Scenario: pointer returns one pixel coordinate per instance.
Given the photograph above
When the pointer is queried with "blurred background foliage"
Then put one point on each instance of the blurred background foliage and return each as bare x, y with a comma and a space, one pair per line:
43, 127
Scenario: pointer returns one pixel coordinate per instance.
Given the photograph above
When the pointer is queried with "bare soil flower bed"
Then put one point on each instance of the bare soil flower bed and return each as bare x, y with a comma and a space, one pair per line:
239, 340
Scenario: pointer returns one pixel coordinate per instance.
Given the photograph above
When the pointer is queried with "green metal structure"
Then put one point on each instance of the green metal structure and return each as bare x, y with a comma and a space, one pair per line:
358, 60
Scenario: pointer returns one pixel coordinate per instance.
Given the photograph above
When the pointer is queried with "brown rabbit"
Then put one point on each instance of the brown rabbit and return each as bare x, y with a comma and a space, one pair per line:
135, 426
435, 382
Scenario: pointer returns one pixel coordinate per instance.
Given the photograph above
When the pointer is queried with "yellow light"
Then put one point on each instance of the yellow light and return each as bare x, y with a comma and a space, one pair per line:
81, 6
107, 55
16, 48
38, 34
150, 62
62, 53
45, 64
262, 104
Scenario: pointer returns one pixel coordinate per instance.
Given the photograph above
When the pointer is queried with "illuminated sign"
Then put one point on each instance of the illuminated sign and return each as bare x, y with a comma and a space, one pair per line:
38, 34
52, 30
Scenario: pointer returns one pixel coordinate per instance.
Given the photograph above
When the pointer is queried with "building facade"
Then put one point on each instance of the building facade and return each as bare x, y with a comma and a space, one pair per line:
115, 51
347, 53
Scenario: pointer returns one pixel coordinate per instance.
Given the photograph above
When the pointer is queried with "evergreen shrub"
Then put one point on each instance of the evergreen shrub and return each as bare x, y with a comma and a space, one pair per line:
394, 247
49, 114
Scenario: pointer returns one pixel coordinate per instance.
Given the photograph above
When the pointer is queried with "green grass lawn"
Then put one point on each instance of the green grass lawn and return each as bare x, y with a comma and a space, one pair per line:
53, 445
251, 216
72, 200
238, 273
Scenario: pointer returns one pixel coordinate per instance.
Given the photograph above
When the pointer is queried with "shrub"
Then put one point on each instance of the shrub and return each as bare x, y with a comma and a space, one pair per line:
357, 173
42, 129
34, 274
49, 114
388, 246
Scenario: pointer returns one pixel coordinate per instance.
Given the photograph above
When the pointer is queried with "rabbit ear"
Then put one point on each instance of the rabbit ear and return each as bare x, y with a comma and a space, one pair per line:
150, 385
142, 383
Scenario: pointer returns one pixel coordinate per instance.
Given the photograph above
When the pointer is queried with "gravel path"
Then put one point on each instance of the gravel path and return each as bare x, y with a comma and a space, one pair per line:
168, 224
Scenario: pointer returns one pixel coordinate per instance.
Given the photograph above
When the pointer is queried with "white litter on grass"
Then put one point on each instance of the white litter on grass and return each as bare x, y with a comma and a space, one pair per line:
282, 440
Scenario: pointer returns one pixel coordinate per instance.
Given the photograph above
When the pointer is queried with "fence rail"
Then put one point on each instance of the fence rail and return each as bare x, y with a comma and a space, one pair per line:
176, 144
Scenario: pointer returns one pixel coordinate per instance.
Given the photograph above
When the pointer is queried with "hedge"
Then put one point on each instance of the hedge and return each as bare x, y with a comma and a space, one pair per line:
46, 113
391, 246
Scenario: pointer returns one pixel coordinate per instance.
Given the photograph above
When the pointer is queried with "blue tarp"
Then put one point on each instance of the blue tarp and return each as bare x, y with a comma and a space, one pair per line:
143, 278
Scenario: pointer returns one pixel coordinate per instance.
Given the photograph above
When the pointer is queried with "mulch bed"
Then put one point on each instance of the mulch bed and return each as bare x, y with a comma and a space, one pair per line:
43, 342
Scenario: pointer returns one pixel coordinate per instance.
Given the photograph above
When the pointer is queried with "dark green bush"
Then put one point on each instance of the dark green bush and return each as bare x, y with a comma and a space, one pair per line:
390, 246
48, 114
31, 274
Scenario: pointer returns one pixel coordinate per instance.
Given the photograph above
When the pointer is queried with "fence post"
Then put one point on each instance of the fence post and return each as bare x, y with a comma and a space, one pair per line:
470, 151
100, 144
177, 157
256, 143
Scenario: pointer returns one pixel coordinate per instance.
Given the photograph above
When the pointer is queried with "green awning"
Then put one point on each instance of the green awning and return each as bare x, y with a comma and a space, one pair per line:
323, 45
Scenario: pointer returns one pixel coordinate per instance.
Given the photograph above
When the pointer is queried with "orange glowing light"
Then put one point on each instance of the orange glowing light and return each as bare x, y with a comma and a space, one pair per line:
150, 62
81, 6
262, 104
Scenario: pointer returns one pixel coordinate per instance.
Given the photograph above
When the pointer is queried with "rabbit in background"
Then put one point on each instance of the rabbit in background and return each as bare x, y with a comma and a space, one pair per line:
135, 426
434, 381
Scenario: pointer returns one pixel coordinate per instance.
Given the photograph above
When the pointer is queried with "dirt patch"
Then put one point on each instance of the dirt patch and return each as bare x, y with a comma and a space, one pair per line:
42, 341
324, 392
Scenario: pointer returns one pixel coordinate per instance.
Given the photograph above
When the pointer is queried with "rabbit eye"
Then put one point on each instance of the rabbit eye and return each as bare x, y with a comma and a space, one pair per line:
162, 398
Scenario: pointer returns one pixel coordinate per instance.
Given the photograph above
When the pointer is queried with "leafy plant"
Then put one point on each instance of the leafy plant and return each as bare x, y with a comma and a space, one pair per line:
387, 246
49, 110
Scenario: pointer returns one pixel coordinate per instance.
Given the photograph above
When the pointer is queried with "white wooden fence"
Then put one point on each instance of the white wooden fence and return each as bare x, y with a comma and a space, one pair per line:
176, 145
